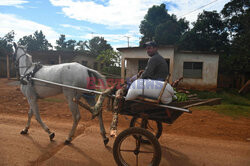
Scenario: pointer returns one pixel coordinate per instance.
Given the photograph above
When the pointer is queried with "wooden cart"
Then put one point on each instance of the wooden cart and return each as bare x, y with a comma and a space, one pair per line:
141, 139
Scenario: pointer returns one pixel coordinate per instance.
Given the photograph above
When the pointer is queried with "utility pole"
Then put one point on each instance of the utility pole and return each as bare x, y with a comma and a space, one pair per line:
127, 39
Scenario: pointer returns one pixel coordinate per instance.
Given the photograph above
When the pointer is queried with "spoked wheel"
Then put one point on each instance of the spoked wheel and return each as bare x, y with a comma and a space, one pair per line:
152, 126
128, 150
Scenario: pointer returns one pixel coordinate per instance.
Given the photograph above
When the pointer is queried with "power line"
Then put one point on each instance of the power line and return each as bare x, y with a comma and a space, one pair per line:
199, 8
215, 4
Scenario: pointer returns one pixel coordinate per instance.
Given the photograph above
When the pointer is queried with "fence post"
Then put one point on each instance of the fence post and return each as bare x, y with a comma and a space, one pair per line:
59, 59
123, 70
8, 66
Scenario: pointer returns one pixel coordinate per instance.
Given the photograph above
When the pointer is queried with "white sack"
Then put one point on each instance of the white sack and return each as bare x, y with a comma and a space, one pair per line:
152, 89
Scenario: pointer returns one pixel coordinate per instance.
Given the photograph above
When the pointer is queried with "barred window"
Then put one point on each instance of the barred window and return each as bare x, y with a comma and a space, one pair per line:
95, 65
142, 64
84, 63
192, 69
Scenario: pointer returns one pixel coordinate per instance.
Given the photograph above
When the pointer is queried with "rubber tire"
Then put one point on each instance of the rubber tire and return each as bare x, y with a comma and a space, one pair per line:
132, 131
159, 127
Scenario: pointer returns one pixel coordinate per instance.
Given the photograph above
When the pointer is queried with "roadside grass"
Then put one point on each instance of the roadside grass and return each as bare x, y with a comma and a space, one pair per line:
232, 104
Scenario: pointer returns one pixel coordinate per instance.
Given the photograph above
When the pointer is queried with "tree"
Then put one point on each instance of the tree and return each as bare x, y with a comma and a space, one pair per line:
163, 35
111, 61
97, 45
64, 45
6, 43
110, 58
237, 15
81, 46
162, 27
234, 13
35, 42
61, 43
71, 44
208, 34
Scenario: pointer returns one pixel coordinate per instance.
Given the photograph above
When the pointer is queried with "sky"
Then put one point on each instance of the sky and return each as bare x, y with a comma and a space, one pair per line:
117, 21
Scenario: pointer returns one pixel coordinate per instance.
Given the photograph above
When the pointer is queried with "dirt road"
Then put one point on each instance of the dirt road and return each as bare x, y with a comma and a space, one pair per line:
87, 148
201, 139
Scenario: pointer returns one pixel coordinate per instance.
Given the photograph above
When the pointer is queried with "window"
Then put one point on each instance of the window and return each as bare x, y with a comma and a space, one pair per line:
192, 69
102, 65
84, 63
142, 64
95, 65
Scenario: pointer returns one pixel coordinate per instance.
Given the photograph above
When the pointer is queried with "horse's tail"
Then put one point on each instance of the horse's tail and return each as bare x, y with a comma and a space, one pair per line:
98, 77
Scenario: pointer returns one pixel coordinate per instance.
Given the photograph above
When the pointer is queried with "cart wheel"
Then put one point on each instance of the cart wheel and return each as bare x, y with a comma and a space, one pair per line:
128, 150
153, 126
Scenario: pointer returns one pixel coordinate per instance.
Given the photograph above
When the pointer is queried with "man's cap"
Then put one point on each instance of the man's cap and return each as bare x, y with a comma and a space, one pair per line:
150, 43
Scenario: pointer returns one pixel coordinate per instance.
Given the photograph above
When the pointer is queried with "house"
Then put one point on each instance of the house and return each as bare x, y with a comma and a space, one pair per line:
56, 57
50, 57
198, 69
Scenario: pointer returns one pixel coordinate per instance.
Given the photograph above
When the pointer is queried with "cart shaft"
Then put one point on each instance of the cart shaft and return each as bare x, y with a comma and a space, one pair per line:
67, 86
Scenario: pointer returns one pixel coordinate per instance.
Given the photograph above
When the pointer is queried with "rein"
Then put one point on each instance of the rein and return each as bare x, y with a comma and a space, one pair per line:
17, 63
17, 60
26, 75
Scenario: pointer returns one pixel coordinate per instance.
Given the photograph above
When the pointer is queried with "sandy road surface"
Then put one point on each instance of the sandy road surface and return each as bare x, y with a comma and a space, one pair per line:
87, 148
202, 139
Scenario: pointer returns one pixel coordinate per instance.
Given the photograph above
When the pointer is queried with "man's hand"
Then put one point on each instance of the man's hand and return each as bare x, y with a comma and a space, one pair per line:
139, 73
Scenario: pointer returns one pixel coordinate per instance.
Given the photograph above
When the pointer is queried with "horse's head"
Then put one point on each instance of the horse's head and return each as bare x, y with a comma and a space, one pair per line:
19, 52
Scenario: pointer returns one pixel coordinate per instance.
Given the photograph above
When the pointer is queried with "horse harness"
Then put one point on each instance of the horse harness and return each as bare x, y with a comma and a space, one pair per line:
24, 79
30, 74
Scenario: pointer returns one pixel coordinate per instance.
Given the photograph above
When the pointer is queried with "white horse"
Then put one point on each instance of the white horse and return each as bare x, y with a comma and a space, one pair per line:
73, 74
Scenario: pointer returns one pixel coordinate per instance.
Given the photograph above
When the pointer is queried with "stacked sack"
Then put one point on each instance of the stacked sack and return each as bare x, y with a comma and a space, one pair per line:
150, 89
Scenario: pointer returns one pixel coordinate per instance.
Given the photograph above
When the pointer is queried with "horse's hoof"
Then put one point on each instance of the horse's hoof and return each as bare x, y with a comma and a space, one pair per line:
67, 142
105, 141
51, 136
23, 132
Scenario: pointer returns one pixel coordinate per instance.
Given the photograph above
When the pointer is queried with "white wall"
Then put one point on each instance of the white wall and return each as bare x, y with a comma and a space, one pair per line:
209, 71
132, 67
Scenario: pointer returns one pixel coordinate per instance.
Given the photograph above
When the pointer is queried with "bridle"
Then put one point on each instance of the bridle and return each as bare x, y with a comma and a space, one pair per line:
18, 60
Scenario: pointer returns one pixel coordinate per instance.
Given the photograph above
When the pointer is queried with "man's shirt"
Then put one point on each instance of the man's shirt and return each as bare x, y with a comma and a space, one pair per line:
156, 69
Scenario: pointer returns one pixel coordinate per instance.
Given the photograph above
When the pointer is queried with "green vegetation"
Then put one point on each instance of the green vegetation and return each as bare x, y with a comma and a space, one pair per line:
226, 33
233, 104
5, 43
36, 41
181, 97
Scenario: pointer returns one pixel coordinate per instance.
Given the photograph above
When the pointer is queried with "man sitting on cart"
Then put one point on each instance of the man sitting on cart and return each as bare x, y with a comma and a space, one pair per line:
157, 67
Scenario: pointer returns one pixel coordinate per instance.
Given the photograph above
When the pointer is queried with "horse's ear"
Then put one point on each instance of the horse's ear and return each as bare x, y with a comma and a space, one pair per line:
15, 50
15, 46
